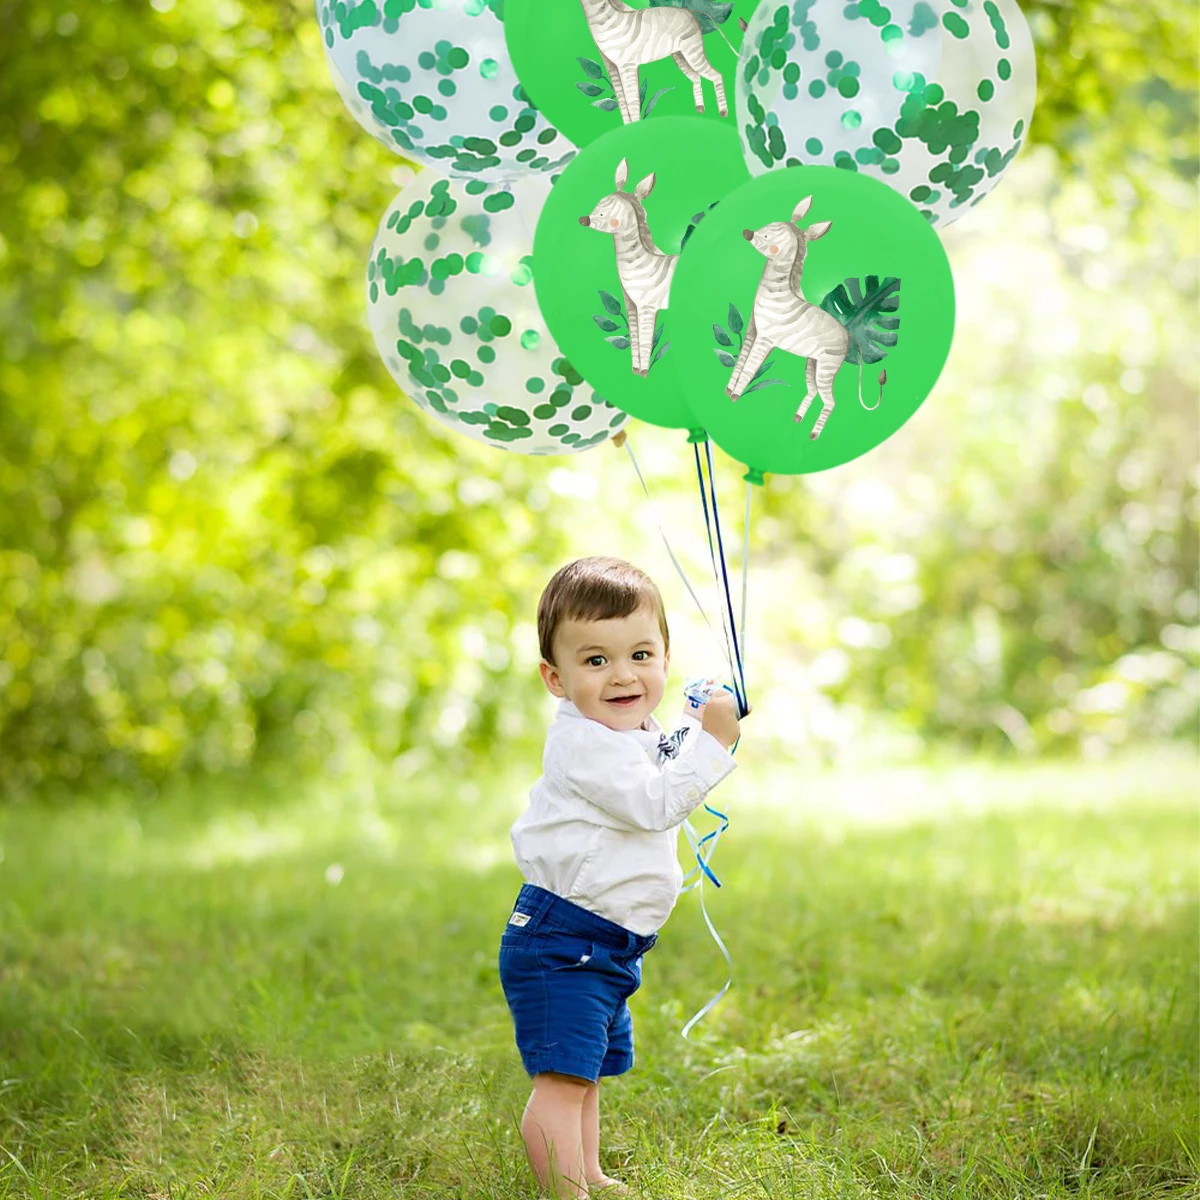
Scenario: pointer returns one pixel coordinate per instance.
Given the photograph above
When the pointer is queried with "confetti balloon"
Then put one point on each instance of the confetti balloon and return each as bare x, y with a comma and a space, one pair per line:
933, 97
451, 305
436, 85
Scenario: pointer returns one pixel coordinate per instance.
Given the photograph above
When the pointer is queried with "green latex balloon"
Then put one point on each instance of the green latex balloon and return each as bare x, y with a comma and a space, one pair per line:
675, 170
874, 295
579, 87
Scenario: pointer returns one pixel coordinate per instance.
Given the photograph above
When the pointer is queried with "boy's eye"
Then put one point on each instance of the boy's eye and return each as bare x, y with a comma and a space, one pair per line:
597, 660
641, 655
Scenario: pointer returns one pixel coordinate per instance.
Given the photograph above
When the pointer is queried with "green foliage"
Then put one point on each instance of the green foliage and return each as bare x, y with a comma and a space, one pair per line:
223, 532
225, 536
1117, 89
867, 316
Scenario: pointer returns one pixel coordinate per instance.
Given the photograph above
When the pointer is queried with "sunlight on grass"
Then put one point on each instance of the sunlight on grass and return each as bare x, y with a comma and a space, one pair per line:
962, 981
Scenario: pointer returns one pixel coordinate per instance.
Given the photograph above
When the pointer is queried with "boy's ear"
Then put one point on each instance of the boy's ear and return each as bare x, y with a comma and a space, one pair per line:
552, 679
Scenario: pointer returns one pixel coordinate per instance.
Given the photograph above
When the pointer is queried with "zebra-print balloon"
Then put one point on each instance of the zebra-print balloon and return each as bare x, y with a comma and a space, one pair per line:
933, 97
451, 305
435, 84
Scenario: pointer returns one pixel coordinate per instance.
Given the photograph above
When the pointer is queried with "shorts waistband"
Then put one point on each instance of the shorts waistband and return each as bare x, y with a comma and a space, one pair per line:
547, 910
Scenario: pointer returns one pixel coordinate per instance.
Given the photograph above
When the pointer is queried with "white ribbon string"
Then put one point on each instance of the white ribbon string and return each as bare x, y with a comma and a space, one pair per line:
678, 568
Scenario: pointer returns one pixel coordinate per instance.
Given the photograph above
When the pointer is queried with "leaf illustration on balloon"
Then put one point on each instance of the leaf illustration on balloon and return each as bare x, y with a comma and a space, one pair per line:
709, 13
596, 84
614, 308
696, 219
648, 107
868, 316
724, 345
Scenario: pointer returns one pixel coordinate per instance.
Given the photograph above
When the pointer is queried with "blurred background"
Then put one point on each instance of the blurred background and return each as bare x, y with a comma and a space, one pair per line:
229, 544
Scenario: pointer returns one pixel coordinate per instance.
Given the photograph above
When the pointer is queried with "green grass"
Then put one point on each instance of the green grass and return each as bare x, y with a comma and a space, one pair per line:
967, 981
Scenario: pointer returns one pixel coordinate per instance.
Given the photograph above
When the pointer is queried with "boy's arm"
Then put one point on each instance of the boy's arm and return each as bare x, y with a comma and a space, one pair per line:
627, 791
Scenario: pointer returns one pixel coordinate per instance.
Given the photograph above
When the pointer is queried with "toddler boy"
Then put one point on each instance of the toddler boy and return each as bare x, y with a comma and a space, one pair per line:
598, 849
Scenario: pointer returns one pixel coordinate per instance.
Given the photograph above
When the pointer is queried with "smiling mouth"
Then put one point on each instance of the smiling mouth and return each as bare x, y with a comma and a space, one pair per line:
623, 701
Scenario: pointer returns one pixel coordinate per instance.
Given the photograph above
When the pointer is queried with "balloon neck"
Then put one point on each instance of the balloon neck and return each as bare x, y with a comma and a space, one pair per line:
755, 476
697, 435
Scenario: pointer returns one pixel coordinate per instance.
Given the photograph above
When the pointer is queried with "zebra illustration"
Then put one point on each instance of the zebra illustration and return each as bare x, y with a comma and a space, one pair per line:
628, 37
644, 270
782, 318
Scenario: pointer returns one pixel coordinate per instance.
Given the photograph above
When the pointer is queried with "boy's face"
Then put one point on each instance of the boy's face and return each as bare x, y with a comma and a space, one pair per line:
612, 671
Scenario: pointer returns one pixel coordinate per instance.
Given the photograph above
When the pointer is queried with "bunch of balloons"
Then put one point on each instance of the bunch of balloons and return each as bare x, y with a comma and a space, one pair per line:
714, 215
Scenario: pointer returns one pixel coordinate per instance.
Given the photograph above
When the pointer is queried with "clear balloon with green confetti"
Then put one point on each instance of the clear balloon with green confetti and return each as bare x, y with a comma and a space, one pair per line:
933, 97
434, 82
452, 308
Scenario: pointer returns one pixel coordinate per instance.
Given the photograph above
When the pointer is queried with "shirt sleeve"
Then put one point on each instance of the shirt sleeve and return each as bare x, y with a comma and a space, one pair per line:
626, 791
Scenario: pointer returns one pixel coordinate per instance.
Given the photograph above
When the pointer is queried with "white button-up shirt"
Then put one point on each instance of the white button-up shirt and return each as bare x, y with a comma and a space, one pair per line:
602, 826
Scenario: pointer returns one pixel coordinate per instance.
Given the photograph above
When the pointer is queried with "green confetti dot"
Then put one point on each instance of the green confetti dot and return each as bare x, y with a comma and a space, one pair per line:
791, 73
498, 113
500, 326
833, 58
498, 202
886, 140
891, 33
920, 192
813, 146
446, 87
544, 412
458, 58
530, 339
535, 384
816, 89
956, 25
489, 68
460, 368
487, 354
468, 325
581, 413
848, 86
1004, 68
986, 90
558, 430
1018, 129
851, 119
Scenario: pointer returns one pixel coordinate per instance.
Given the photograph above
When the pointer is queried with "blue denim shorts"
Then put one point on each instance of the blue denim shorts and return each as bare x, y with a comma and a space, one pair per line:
567, 975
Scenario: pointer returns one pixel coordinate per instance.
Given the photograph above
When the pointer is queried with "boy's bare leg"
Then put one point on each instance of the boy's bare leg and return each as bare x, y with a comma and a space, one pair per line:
591, 1144
551, 1127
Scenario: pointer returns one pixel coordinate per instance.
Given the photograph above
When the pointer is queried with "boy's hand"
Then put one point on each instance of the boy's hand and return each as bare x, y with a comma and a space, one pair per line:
720, 718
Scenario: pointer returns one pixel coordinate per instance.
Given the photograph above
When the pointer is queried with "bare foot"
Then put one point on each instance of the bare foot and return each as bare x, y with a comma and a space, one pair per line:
607, 1186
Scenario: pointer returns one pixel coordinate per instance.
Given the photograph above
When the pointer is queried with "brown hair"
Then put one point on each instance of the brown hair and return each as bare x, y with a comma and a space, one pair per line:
596, 589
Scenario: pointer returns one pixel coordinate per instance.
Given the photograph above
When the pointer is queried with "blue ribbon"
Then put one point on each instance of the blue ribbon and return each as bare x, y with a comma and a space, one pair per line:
721, 576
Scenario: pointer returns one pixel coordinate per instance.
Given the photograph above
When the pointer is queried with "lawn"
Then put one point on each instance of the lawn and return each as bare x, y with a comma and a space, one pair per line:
960, 980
